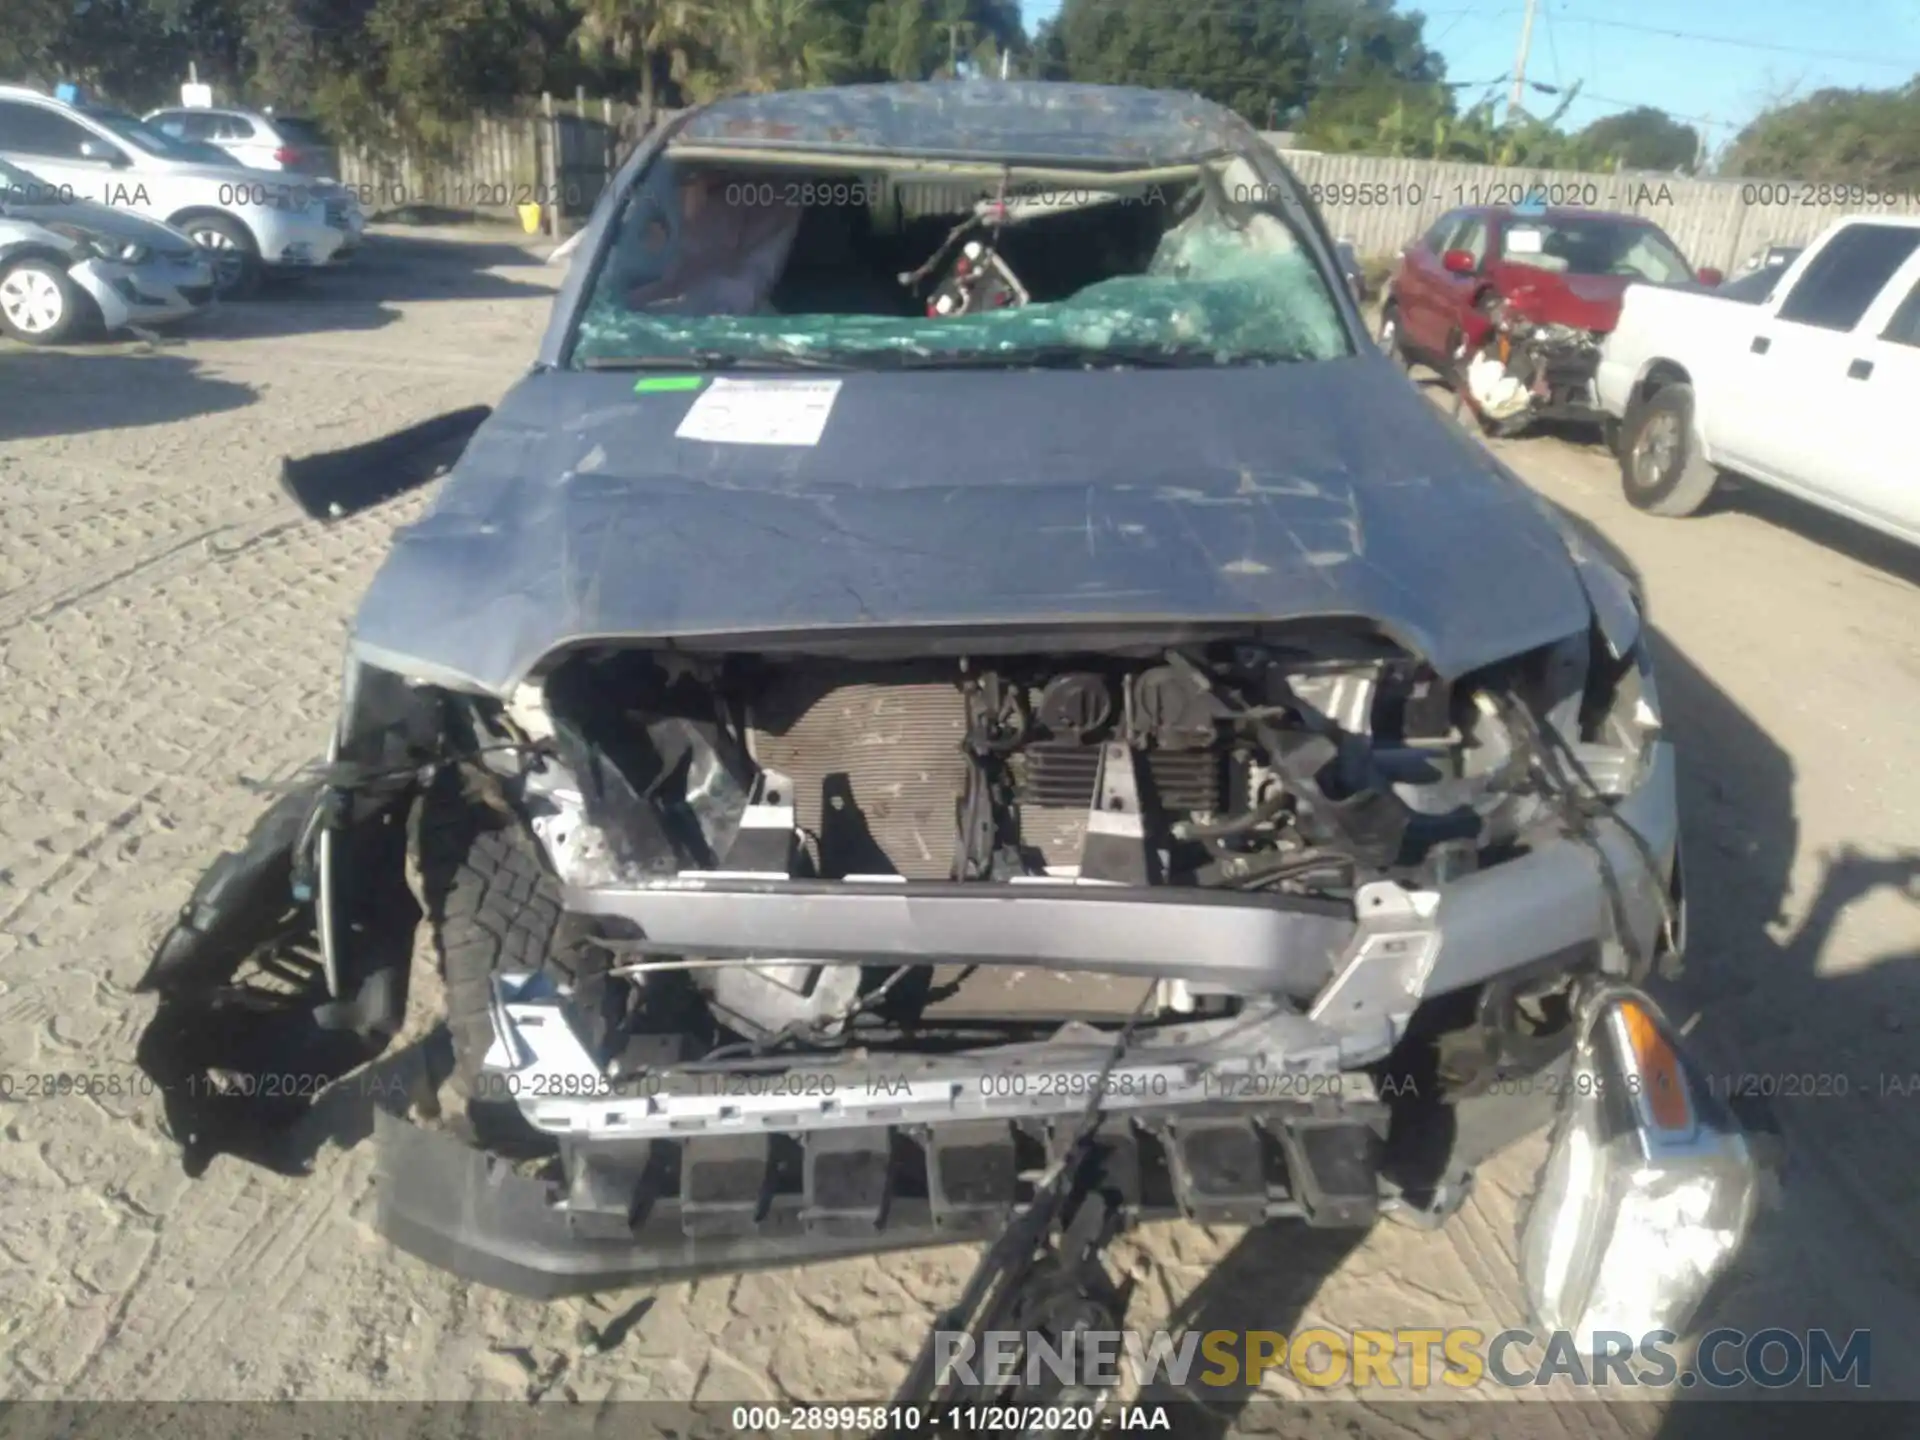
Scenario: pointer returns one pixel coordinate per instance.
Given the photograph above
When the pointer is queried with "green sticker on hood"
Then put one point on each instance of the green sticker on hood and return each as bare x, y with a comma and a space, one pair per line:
656, 384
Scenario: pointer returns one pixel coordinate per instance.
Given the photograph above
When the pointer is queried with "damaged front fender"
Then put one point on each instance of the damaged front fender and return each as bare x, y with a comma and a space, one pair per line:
244, 896
286, 968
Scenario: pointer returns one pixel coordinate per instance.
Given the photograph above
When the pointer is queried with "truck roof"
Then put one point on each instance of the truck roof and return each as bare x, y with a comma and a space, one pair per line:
1905, 222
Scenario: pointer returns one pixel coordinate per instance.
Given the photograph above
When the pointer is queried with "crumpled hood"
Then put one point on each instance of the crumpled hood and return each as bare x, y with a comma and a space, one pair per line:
973, 499
1586, 302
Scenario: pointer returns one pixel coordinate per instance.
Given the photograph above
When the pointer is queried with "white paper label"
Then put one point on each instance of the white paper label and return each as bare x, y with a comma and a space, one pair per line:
760, 412
1524, 242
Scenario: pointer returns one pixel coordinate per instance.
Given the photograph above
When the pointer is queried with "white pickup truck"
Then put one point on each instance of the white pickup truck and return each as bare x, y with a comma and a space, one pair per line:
1815, 390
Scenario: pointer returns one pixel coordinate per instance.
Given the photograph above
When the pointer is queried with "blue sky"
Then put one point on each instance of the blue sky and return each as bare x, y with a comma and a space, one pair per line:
1787, 47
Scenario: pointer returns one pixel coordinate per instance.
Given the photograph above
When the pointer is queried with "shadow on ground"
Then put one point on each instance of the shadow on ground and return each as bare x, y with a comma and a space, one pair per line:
1815, 1045
70, 392
1733, 495
1818, 527
361, 295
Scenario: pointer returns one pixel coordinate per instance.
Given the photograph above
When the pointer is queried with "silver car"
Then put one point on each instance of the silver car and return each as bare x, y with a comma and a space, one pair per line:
258, 221
258, 139
343, 208
68, 265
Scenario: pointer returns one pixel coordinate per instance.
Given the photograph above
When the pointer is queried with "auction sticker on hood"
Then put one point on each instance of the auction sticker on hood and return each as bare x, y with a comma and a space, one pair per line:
760, 412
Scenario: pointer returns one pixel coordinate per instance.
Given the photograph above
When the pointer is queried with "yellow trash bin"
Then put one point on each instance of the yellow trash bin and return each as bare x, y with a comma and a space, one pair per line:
530, 219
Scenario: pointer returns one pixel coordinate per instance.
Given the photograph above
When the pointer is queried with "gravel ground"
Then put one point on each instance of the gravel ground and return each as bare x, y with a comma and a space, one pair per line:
168, 624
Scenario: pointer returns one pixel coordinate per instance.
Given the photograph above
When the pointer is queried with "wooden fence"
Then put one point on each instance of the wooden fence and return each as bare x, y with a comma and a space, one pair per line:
1380, 203
560, 153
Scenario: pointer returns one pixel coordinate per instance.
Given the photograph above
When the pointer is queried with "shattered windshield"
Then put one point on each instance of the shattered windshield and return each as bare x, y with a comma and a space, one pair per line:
711, 267
1595, 247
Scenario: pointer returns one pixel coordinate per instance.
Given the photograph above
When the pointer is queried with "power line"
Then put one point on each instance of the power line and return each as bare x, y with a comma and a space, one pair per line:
1911, 66
1705, 120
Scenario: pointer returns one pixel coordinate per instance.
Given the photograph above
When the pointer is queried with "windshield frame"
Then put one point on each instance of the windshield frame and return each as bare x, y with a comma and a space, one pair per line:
1627, 225
1280, 197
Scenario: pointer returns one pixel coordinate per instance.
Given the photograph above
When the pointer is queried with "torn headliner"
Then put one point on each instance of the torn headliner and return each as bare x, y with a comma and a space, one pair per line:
1231, 495
1004, 120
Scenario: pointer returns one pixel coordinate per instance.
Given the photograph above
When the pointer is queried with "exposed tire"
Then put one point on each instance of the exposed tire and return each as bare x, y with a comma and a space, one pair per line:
39, 303
237, 268
1661, 468
493, 906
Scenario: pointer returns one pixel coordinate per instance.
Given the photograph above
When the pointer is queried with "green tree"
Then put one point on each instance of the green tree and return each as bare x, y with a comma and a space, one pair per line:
1254, 56
761, 45
1861, 137
921, 39
414, 72
133, 52
1386, 117
653, 39
1643, 138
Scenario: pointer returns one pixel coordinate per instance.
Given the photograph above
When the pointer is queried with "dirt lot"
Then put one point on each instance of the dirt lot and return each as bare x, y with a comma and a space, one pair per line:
168, 625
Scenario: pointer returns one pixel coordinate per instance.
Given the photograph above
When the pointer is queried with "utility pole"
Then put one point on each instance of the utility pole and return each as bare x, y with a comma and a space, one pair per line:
954, 27
1515, 102
1700, 150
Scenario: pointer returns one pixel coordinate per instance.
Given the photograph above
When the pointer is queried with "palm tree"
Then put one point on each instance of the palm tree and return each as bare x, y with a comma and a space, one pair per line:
764, 45
639, 30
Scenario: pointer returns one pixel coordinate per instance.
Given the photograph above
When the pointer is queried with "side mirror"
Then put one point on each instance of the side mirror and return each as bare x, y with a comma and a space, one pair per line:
1460, 262
94, 150
1708, 275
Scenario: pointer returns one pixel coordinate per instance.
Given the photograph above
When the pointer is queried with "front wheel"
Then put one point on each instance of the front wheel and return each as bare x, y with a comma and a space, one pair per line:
236, 258
39, 303
494, 907
1661, 468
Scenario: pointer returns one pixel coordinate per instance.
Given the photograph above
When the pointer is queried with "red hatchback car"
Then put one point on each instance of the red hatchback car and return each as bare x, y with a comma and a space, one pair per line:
1511, 304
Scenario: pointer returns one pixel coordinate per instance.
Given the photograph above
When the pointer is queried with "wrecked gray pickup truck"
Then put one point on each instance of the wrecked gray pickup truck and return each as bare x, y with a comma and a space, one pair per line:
958, 624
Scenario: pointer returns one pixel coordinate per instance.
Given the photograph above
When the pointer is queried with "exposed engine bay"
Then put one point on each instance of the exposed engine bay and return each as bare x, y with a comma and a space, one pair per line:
1224, 769
1522, 369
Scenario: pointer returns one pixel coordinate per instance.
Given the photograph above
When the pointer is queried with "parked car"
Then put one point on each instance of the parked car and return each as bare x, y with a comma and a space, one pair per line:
1512, 303
256, 138
1769, 257
790, 791
343, 208
1760, 275
1808, 391
257, 222
69, 265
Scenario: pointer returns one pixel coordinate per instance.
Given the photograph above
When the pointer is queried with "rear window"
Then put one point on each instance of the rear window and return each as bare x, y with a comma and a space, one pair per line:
1594, 246
301, 132
1847, 276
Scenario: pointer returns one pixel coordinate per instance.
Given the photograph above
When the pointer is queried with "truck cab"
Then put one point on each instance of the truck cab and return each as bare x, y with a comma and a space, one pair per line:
1805, 391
